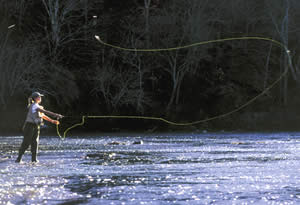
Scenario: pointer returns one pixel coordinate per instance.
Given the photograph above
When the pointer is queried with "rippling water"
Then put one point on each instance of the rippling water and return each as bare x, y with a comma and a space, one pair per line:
154, 169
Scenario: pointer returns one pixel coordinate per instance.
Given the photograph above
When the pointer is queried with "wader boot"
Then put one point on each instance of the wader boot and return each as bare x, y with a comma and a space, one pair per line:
19, 159
34, 158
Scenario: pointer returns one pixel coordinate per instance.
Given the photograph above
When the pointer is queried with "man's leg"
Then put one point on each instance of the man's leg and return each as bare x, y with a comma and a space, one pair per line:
26, 142
35, 144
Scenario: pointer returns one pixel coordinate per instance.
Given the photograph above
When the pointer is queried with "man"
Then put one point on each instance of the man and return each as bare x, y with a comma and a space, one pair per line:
34, 119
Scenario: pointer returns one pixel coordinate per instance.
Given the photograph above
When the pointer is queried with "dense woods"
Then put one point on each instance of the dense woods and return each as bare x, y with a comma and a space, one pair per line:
51, 48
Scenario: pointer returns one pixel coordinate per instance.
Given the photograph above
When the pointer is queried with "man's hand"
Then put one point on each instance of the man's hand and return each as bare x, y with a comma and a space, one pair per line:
55, 122
58, 116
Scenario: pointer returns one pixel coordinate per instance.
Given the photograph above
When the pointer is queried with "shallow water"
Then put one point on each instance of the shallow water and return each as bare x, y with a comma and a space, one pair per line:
211, 168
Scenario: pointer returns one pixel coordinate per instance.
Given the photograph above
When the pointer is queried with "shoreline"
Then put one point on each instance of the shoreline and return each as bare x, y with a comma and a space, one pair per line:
163, 133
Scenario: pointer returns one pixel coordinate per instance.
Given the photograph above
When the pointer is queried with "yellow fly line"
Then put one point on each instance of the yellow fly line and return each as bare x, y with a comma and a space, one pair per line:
83, 118
192, 45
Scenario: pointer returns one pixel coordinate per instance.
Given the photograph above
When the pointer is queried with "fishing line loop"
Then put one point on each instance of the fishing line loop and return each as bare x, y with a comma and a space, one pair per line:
83, 118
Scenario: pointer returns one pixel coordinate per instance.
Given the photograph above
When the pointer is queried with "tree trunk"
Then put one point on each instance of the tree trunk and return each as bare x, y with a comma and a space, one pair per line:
267, 68
171, 101
285, 84
147, 26
173, 63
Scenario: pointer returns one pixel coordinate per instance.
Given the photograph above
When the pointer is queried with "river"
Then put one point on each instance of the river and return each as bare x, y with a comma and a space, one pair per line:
205, 168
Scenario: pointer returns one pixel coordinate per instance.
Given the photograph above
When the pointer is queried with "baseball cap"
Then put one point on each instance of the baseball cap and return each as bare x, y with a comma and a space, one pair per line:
36, 94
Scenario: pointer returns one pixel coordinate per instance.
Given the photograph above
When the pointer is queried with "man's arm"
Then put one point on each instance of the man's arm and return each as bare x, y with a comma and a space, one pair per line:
45, 117
42, 110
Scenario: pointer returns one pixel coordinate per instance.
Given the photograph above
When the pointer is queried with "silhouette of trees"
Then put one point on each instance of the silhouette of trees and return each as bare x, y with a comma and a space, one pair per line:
52, 49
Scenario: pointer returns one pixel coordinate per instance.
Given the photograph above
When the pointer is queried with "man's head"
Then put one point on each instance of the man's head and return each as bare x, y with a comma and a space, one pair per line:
36, 96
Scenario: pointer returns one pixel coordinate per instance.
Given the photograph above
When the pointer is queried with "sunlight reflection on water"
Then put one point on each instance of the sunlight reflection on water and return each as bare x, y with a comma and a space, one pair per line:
166, 169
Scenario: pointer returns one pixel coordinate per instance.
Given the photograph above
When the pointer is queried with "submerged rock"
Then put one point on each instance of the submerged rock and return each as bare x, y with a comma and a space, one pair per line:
125, 143
138, 142
116, 143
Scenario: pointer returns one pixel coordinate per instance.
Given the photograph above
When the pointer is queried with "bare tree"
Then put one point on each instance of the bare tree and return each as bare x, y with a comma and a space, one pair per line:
60, 16
147, 4
193, 27
23, 70
134, 61
280, 18
119, 86
12, 63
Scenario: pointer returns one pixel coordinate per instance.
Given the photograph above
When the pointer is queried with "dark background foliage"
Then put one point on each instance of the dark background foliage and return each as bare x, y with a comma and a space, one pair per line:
52, 49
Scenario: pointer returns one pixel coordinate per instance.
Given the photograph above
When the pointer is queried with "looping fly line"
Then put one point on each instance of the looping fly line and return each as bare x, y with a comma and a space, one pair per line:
193, 44
83, 118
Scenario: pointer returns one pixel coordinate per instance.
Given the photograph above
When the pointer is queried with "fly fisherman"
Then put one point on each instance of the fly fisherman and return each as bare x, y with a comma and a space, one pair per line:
31, 129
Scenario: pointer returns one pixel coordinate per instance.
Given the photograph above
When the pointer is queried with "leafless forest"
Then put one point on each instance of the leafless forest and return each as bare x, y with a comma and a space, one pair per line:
49, 46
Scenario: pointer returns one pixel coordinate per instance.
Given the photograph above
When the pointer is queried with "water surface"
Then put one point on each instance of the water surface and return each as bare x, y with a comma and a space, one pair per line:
211, 168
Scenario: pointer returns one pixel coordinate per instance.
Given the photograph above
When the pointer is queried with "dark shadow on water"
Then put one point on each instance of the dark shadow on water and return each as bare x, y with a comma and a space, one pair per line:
73, 202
